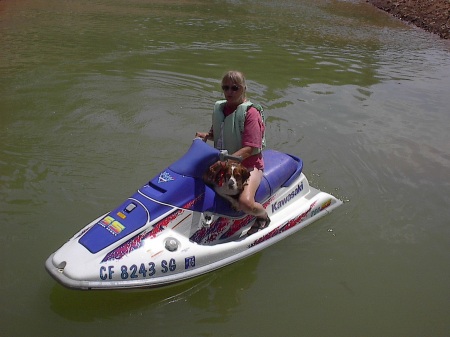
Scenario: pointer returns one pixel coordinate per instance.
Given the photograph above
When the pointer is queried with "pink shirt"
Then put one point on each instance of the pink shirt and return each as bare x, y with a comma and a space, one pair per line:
252, 136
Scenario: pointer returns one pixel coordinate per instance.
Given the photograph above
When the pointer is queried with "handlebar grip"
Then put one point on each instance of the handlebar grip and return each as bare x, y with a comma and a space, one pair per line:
223, 156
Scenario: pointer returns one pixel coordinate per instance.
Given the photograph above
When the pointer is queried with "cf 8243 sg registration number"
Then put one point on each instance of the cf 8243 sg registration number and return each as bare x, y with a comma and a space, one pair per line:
143, 270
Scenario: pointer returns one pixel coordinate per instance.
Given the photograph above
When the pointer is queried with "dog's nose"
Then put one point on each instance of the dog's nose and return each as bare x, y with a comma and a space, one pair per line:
231, 183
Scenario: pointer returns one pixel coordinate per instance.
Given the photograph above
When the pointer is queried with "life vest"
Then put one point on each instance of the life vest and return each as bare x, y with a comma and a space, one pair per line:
228, 130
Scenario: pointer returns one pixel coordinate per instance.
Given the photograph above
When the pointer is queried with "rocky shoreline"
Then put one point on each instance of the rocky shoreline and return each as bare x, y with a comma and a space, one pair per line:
430, 15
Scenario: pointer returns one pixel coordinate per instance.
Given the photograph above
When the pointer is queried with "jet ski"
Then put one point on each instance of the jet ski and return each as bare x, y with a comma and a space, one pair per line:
176, 227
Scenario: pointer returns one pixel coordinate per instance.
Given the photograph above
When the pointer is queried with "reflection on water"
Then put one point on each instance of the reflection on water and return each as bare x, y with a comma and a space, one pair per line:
216, 294
98, 97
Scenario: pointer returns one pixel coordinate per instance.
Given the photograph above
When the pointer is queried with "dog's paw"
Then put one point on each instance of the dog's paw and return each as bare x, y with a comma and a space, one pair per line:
235, 205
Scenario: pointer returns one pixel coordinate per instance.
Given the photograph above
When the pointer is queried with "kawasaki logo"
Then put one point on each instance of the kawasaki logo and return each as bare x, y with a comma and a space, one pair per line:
279, 204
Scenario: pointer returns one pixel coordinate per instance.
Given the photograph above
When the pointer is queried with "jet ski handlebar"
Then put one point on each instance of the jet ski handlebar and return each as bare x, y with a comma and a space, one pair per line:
224, 156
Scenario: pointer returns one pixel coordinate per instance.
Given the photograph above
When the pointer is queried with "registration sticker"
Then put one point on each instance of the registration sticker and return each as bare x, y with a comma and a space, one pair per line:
189, 262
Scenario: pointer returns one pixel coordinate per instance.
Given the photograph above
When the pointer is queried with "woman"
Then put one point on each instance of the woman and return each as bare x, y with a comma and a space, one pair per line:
238, 127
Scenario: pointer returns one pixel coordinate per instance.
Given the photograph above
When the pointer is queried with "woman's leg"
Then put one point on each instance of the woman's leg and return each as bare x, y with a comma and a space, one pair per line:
247, 198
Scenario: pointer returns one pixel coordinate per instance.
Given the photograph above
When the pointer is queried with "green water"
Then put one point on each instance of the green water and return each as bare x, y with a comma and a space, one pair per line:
97, 96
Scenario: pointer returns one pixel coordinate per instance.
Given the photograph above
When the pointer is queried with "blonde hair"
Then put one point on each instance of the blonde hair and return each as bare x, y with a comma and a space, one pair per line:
235, 77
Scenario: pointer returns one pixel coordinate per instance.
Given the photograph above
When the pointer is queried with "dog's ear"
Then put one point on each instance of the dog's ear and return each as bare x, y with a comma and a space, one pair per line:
211, 173
216, 167
245, 174
209, 176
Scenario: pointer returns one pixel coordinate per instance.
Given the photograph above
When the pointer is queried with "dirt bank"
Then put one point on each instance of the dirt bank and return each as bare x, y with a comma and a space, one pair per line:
431, 15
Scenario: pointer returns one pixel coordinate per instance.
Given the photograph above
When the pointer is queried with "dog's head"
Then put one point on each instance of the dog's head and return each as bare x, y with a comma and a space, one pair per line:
229, 176
236, 176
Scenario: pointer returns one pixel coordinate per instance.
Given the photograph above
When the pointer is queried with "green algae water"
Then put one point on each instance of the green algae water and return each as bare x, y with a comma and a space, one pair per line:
97, 96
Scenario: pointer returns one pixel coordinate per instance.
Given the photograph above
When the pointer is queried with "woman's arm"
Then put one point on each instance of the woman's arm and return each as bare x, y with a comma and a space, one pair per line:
244, 152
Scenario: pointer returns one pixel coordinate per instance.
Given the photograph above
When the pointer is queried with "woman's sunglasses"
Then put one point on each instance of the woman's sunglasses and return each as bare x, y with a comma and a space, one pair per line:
227, 87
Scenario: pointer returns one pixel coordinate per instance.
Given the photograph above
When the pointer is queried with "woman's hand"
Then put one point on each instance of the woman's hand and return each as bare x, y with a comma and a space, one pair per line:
203, 135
